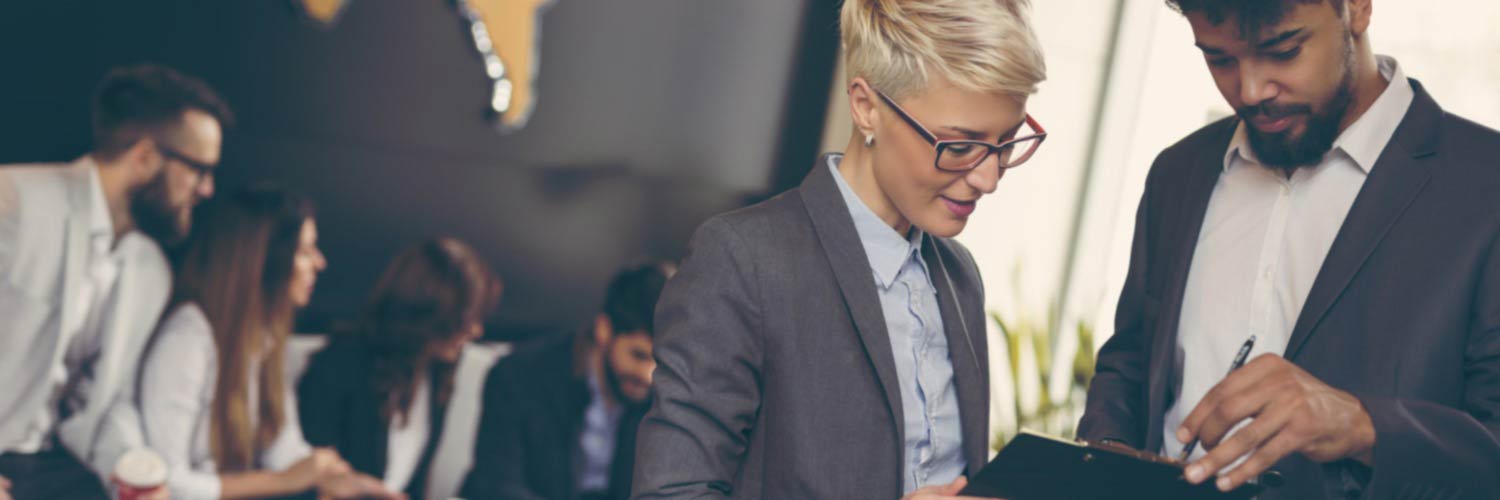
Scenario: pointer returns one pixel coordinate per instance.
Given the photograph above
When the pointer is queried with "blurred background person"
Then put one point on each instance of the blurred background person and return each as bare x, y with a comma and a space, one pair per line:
378, 394
559, 419
212, 395
83, 278
844, 307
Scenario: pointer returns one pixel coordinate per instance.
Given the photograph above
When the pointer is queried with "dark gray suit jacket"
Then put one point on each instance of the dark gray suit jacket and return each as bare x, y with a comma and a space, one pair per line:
1404, 314
775, 377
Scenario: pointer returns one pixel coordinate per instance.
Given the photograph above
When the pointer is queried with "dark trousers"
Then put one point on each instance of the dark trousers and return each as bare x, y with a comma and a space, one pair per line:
50, 475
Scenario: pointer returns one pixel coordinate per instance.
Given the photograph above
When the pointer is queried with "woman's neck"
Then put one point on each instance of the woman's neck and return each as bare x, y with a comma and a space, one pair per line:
858, 169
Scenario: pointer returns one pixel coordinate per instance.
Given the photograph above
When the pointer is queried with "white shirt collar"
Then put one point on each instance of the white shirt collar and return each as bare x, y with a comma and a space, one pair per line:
1367, 137
886, 249
100, 224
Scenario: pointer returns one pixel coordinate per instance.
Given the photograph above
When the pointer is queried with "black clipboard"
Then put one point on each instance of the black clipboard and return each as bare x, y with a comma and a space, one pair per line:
1037, 467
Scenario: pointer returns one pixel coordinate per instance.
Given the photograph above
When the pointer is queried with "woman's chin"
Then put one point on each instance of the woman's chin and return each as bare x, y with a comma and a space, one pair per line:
944, 226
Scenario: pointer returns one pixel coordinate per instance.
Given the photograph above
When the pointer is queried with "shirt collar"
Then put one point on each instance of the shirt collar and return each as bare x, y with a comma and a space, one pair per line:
100, 224
886, 249
1367, 137
596, 394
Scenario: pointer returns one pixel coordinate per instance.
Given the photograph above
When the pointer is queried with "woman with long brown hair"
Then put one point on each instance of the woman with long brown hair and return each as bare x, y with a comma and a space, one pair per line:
379, 393
212, 394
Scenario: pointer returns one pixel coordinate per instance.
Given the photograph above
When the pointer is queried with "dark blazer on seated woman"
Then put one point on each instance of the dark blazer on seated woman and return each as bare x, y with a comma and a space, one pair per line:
379, 394
341, 407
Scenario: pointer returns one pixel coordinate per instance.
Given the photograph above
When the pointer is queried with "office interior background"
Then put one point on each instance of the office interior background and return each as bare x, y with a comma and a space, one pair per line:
649, 117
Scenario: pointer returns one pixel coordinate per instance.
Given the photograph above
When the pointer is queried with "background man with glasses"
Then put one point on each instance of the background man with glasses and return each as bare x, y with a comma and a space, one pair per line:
830, 343
83, 278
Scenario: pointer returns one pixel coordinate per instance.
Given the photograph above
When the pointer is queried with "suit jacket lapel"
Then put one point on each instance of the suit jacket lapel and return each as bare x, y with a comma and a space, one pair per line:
851, 267
1397, 178
1184, 222
76, 249
123, 308
965, 341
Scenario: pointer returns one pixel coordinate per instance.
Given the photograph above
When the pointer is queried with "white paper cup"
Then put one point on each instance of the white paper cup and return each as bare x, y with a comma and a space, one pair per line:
139, 472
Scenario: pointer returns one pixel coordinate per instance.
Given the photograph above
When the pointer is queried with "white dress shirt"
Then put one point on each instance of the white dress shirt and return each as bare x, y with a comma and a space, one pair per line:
71, 375
178, 381
1263, 240
405, 443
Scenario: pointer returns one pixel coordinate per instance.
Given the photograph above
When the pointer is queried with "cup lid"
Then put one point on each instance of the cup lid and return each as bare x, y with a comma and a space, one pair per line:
141, 468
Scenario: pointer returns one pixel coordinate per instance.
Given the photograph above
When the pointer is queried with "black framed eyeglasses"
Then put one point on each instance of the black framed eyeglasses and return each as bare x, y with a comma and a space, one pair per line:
965, 155
203, 170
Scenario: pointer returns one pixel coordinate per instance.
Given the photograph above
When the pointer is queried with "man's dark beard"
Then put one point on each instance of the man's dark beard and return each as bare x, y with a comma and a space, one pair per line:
152, 209
612, 381
1279, 150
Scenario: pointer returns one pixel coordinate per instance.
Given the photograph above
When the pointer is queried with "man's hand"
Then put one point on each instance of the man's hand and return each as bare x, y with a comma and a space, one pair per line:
942, 492
355, 486
4, 488
160, 493
1291, 412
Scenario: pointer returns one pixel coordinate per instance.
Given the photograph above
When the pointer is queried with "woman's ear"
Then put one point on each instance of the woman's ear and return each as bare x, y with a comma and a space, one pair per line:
862, 104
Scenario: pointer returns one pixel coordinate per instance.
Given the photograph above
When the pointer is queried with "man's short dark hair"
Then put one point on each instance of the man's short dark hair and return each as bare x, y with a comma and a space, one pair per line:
137, 100
1251, 15
630, 302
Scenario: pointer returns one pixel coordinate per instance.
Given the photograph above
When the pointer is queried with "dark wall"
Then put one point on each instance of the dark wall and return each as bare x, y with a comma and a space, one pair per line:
652, 115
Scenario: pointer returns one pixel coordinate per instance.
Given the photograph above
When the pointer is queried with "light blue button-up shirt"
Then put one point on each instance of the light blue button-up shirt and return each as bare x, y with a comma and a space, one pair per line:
929, 402
600, 423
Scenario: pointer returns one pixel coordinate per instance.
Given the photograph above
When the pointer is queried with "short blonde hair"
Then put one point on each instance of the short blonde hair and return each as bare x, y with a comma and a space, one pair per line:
978, 45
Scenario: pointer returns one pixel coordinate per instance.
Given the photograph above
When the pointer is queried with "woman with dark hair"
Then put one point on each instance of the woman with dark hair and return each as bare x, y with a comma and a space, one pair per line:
212, 394
378, 394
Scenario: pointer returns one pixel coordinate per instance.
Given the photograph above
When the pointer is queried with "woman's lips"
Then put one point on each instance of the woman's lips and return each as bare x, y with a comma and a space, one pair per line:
960, 208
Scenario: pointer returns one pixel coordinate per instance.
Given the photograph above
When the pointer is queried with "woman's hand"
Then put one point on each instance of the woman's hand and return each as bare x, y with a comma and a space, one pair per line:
354, 485
941, 492
322, 465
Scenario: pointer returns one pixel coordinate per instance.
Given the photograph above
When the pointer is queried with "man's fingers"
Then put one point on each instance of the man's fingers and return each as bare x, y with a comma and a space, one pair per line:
160, 493
1229, 412
1245, 378
1267, 455
1245, 440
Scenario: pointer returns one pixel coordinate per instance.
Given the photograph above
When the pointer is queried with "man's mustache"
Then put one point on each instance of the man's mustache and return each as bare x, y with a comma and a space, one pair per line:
1273, 111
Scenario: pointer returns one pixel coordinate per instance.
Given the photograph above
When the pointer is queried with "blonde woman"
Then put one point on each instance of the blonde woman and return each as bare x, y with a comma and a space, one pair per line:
829, 342
212, 395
